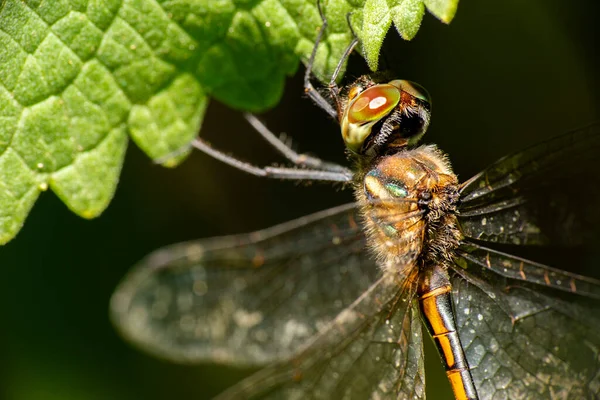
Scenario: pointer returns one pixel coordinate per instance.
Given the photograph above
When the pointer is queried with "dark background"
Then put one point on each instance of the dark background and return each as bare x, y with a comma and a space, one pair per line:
503, 75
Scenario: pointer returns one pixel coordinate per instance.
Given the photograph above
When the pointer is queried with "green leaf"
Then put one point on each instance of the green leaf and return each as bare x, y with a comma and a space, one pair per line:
406, 16
443, 9
377, 21
78, 77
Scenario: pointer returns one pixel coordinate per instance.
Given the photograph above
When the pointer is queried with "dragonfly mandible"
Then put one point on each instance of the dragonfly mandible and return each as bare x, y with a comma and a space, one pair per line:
332, 304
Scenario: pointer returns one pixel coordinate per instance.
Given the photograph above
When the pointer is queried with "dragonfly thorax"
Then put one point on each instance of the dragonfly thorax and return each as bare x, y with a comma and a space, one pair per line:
409, 202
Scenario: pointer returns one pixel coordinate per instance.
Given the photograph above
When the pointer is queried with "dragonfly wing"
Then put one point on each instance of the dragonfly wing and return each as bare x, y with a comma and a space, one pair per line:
373, 349
521, 269
247, 299
547, 194
526, 341
531, 331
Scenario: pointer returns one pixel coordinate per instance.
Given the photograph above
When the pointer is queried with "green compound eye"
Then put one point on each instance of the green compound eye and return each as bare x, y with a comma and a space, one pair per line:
396, 189
365, 109
373, 104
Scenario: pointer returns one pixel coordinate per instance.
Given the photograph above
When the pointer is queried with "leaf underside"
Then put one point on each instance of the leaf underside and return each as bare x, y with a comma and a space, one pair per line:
76, 77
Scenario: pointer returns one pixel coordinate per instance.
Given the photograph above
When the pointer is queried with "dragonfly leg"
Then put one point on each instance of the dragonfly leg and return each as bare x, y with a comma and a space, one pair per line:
275, 172
333, 87
298, 159
309, 89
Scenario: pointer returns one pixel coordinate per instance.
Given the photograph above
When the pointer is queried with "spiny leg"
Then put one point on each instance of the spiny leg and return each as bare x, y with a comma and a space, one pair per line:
274, 172
309, 89
298, 159
333, 88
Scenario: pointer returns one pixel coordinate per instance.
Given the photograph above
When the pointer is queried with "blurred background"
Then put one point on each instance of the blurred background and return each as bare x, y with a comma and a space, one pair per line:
502, 76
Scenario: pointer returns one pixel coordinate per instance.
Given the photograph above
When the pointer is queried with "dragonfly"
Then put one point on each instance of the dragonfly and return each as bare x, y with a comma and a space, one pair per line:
333, 305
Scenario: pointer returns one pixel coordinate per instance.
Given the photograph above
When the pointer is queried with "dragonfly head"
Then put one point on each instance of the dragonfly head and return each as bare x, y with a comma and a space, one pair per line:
378, 115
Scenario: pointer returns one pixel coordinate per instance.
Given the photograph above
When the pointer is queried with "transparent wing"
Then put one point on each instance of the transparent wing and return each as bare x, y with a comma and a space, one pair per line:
531, 331
247, 299
521, 269
545, 195
373, 349
524, 340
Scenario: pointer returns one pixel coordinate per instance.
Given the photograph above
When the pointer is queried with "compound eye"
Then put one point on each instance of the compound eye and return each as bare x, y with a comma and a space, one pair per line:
412, 88
373, 104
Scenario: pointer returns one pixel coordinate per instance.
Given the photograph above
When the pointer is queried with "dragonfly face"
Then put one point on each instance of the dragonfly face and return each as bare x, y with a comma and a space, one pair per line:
378, 117
331, 304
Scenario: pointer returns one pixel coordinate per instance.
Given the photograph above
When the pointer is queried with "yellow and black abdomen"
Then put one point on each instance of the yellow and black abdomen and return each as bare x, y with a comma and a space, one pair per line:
435, 301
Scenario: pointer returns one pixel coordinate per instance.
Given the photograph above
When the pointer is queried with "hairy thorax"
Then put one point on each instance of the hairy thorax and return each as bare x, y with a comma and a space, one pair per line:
408, 202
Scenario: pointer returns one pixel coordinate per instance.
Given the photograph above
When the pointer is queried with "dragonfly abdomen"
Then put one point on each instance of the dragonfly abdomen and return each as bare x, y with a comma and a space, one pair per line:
435, 301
